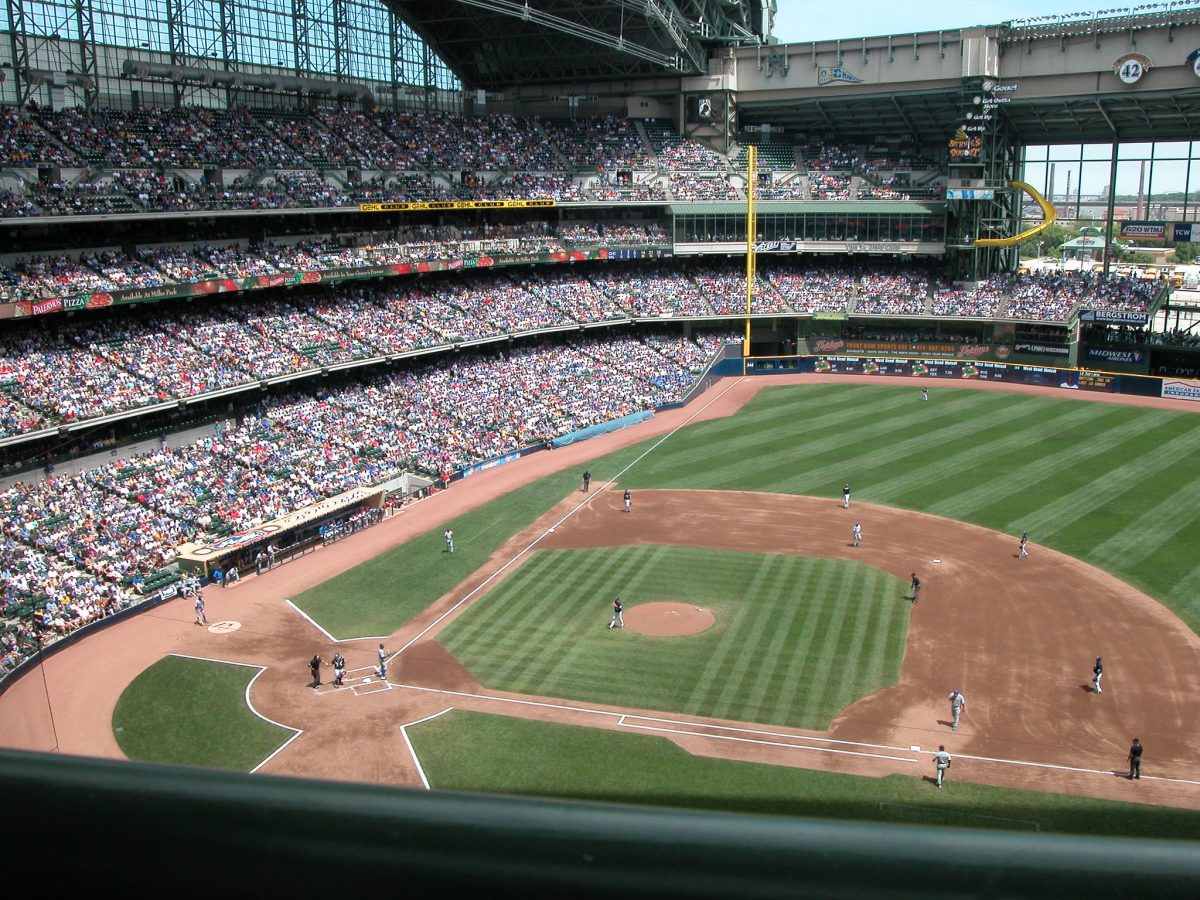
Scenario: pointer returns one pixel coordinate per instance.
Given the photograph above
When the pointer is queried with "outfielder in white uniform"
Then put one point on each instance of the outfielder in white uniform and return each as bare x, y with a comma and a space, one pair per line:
957, 702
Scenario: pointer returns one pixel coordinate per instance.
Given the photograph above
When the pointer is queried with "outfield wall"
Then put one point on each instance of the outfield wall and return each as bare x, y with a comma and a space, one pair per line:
968, 369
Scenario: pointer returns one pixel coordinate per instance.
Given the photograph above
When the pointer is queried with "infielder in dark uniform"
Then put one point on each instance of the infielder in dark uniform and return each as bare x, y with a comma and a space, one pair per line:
618, 619
628, 501
846, 496
1097, 674
916, 588
1135, 760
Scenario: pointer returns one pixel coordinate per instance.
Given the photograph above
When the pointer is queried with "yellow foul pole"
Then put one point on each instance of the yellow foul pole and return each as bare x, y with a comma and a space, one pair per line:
751, 235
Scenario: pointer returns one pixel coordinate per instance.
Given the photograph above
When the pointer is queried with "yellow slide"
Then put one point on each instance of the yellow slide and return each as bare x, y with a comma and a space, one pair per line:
1048, 217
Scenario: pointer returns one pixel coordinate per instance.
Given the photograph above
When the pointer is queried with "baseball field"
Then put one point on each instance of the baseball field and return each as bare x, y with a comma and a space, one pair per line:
766, 664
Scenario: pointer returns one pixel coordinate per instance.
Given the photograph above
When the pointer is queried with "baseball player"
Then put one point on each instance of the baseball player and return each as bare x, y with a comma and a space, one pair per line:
1135, 760
587, 480
201, 618
957, 702
846, 496
1023, 550
618, 620
916, 588
1097, 674
339, 668
941, 759
628, 501
856, 533
449, 541
924, 393
383, 655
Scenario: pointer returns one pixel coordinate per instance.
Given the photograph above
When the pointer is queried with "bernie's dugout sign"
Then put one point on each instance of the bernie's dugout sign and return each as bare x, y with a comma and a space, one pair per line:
1181, 389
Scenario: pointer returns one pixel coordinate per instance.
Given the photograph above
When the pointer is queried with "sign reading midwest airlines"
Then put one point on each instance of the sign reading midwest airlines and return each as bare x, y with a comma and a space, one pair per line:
453, 204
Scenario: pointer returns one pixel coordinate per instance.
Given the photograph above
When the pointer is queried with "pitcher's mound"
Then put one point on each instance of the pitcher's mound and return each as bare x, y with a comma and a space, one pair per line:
668, 619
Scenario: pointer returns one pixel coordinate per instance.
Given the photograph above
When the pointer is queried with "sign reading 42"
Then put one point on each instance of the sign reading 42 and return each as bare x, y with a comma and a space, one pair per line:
1131, 67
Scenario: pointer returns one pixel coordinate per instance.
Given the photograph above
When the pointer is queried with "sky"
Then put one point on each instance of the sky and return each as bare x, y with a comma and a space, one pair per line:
806, 20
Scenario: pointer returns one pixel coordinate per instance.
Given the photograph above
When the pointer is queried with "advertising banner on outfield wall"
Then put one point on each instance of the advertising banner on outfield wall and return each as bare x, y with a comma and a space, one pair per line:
957, 369
1181, 389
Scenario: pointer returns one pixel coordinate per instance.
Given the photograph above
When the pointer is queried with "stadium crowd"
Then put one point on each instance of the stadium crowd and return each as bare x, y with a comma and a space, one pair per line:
75, 548
67, 371
147, 160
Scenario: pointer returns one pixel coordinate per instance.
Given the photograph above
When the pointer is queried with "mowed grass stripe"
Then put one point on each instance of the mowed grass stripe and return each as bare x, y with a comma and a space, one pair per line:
737, 669
745, 669
713, 454
875, 455
714, 675
874, 439
953, 475
1007, 469
798, 670
826, 658
1167, 510
1087, 485
765, 691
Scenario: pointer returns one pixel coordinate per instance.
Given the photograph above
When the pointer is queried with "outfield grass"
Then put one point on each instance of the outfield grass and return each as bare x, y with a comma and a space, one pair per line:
796, 640
1116, 486
477, 752
193, 712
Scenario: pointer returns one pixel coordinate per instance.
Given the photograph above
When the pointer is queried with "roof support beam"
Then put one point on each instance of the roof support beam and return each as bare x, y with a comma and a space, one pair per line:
575, 29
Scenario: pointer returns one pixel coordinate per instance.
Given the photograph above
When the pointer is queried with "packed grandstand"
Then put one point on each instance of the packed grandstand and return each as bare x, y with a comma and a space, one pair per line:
154, 160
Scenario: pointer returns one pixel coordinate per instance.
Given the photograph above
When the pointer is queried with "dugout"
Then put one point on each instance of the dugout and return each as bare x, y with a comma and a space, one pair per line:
291, 534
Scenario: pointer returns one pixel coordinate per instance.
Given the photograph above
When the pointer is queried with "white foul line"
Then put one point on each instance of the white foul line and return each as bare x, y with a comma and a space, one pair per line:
622, 719
411, 750
537, 540
781, 744
310, 620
